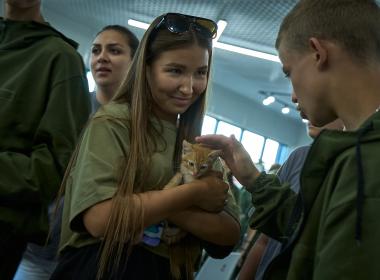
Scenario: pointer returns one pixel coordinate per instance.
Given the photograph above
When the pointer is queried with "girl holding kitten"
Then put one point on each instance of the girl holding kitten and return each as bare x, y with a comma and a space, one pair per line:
114, 187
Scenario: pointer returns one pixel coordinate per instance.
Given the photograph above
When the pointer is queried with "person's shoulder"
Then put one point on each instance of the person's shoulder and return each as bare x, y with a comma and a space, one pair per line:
57, 43
300, 151
113, 110
59, 52
110, 118
296, 159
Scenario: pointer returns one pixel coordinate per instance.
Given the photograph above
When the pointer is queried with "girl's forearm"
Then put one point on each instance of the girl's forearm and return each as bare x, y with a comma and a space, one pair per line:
218, 228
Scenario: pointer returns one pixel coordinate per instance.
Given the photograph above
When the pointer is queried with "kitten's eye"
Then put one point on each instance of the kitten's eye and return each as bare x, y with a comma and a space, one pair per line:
190, 163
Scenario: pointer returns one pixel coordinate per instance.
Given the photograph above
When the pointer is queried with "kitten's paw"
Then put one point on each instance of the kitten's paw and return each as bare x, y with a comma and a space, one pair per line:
175, 181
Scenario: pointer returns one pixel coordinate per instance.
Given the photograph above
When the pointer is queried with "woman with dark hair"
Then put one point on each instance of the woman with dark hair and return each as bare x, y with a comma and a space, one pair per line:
111, 55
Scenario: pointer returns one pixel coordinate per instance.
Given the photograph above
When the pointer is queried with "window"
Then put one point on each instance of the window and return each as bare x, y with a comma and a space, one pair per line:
262, 150
228, 129
209, 124
253, 143
283, 154
270, 153
91, 82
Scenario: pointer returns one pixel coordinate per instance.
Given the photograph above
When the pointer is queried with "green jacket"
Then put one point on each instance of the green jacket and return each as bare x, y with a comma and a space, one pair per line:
336, 233
44, 104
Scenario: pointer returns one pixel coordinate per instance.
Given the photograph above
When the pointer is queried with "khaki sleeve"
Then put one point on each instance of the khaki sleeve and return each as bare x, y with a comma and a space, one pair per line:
93, 179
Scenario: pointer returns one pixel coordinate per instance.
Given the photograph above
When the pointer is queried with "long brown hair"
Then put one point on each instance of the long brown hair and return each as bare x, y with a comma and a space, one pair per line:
127, 214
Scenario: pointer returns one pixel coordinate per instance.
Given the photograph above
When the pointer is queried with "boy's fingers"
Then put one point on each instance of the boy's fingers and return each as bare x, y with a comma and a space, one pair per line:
217, 174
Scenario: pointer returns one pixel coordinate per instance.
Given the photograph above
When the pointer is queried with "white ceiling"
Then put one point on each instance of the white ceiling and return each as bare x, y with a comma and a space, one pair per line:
251, 24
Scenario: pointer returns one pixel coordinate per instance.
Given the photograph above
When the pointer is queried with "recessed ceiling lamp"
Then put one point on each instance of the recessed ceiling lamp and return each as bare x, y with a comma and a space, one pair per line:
269, 100
221, 26
285, 110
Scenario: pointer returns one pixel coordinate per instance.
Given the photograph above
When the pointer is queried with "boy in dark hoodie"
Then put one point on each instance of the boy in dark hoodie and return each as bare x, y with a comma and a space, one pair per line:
44, 104
330, 50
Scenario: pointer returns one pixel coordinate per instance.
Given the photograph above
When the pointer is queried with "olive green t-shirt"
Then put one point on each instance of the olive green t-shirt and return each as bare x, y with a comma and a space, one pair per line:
93, 177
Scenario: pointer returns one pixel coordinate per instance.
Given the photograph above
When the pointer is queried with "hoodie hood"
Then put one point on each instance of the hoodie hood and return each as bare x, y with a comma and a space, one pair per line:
320, 160
19, 34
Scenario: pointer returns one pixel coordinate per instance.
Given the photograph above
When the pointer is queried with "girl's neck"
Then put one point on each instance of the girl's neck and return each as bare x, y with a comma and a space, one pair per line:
165, 116
104, 96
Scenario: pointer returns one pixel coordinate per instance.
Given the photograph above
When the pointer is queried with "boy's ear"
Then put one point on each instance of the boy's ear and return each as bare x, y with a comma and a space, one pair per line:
320, 52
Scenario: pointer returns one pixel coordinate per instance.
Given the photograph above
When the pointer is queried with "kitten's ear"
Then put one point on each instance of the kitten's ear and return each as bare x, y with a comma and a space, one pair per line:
214, 154
186, 147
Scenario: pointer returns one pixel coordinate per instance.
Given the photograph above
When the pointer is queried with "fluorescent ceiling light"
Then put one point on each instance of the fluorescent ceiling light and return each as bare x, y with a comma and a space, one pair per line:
91, 82
221, 26
138, 24
248, 52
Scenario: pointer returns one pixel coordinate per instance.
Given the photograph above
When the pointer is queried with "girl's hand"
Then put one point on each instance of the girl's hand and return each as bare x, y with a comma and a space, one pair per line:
212, 193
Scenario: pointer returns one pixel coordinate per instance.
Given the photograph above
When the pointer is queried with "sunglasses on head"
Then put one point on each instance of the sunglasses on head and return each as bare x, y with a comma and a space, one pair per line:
179, 23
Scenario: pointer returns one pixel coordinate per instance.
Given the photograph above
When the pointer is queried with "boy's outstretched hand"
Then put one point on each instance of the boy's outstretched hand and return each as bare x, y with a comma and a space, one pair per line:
235, 156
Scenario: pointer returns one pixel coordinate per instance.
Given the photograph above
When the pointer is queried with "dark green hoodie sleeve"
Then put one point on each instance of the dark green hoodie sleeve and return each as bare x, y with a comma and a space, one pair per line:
273, 203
